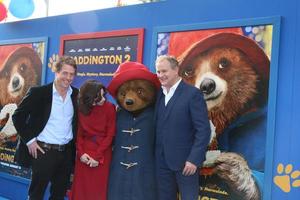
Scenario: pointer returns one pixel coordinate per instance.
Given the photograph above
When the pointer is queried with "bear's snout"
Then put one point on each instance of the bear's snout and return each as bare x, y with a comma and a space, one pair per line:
207, 86
129, 102
15, 82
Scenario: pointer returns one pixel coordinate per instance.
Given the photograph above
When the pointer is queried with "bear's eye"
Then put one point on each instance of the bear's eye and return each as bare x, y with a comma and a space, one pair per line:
122, 94
23, 67
223, 63
140, 90
188, 72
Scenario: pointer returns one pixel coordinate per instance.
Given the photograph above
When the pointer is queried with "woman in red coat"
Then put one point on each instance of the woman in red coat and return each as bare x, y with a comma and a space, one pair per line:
96, 129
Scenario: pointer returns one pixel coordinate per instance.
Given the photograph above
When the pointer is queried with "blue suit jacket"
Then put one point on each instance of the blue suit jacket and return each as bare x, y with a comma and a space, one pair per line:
184, 132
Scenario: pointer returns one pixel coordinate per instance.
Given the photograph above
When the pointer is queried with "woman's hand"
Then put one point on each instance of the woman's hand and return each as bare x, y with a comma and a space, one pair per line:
85, 158
92, 162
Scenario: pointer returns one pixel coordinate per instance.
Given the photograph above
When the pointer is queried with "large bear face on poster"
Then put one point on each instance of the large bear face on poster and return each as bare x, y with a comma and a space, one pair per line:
20, 71
232, 72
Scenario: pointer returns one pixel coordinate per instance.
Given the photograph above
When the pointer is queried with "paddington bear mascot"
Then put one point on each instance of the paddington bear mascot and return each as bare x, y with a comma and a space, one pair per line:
132, 175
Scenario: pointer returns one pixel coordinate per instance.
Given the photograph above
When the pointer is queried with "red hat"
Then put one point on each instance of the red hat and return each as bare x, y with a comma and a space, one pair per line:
7, 50
183, 40
248, 46
131, 71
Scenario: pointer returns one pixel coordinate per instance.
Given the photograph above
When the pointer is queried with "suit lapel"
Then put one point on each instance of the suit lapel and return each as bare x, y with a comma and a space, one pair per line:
48, 100
158, 99
74, 97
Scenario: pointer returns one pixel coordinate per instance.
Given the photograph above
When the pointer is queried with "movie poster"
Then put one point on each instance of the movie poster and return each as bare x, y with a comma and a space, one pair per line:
98, 55
20, 68
231, 67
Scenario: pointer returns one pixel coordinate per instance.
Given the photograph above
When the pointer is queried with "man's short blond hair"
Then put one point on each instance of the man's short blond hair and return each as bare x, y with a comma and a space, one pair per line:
171, 59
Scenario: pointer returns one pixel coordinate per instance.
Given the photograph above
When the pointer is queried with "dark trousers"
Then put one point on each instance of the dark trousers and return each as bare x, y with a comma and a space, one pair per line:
55, 167
170, 182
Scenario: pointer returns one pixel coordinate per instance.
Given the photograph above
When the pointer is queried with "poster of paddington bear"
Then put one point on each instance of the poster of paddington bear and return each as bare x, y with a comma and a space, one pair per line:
231, 67
20, 68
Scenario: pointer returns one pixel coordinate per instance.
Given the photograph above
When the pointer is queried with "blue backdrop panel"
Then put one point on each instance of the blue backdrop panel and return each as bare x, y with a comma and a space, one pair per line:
286, 124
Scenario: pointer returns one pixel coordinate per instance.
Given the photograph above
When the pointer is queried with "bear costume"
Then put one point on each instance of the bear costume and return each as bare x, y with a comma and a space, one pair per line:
232, 71
132, 173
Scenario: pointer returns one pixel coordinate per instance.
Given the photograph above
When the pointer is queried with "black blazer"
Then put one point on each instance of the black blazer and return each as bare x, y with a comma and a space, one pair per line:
31, 117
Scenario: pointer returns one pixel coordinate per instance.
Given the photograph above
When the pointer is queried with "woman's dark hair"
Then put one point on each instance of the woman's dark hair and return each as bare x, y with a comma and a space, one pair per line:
89, 92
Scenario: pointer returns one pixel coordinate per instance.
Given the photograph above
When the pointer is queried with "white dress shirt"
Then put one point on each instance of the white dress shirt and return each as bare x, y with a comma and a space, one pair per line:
58, 129
168, 95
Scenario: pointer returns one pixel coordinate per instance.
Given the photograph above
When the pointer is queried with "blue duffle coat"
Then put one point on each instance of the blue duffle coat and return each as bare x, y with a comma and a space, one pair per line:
132, 172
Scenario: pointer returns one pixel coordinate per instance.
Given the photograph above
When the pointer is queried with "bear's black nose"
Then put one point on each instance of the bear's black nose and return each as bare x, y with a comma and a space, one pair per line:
129, 102
208, 86
15, 82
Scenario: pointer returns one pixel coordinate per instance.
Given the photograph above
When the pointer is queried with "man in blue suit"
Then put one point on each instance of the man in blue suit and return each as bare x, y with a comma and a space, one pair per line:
182, 133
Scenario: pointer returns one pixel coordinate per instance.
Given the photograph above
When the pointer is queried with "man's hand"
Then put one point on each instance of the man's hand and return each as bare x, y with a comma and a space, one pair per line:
33, 148
189, 169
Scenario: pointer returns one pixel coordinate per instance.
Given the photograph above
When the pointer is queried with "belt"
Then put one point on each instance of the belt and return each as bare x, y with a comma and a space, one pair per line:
57, 147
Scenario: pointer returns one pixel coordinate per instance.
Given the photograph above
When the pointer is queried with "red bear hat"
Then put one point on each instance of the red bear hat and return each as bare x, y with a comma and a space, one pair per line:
131, 71
7, 50
181, 41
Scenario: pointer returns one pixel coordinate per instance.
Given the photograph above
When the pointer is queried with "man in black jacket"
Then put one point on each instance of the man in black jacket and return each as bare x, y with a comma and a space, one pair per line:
46, 123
